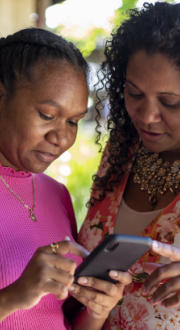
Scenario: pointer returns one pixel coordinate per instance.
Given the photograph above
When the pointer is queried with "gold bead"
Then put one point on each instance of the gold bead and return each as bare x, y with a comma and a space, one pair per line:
171, 190
176, 163
168, 178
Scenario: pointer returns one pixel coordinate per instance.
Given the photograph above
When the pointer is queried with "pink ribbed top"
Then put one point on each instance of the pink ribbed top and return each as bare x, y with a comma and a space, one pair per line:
20, 237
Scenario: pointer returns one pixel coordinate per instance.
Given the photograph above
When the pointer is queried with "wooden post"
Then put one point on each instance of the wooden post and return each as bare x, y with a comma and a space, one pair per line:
42, 5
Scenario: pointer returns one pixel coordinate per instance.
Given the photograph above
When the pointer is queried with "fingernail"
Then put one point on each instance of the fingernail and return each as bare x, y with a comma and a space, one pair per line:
155, 244
143, 289
66, 238
113, 273
82, 280
151, 300
71, 288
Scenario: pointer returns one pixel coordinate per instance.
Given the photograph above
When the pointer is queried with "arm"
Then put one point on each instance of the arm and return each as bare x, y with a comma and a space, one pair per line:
45, 273
7, 304
83, 321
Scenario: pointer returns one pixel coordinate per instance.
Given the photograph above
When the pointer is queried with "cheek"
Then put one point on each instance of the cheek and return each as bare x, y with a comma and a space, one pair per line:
73, 135
130, 107
68, 138
173, 122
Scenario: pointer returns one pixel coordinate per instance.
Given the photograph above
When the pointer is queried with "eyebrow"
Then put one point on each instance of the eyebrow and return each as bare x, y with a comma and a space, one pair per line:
170, 93
54, 104
130, 82
162, 93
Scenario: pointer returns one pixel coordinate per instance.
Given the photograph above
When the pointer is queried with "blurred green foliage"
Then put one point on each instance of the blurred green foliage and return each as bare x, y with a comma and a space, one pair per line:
88, 45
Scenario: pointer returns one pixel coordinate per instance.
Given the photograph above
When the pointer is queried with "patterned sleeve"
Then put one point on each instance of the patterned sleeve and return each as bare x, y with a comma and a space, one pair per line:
71, 213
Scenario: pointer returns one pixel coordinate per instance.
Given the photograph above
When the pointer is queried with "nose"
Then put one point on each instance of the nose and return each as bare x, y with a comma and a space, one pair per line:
59, 138
149, 112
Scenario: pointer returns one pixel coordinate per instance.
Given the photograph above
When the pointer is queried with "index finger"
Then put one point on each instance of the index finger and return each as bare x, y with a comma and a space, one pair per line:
166, 250
72, 247
66, 246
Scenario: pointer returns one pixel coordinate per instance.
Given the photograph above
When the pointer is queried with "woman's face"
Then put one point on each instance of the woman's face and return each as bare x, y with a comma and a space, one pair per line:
40, 121
152, 98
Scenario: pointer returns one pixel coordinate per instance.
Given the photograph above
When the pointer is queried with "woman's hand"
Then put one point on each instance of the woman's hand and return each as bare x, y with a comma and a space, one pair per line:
45, 273
100, 296
159, 273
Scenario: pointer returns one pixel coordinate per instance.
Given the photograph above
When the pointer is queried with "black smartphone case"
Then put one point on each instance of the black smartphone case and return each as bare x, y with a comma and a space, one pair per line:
116, 252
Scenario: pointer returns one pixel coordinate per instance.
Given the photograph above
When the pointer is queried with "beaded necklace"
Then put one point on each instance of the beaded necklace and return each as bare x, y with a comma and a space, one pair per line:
154, 175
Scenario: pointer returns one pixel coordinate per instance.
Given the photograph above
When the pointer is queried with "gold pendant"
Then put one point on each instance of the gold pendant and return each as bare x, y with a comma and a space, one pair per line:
153, 199
32, 216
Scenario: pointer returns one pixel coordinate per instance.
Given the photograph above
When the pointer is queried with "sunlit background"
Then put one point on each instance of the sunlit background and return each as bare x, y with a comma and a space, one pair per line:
88, 24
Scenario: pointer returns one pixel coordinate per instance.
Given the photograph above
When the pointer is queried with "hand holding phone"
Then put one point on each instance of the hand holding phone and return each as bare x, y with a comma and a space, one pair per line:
116, 252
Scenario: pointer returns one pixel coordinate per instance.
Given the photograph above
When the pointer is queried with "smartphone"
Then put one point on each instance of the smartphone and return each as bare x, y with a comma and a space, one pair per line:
115, 252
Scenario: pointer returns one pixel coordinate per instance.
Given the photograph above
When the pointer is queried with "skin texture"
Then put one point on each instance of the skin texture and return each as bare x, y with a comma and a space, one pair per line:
37, 124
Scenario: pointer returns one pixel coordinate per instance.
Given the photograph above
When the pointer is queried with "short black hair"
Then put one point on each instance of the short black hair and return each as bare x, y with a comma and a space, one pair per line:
21, 52
155, 28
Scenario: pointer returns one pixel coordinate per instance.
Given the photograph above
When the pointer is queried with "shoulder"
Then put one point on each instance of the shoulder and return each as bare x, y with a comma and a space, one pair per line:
46, 182
55, 190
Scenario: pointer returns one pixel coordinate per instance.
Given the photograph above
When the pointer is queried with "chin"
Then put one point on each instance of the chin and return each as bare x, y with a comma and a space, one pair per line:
35, 168
154, 147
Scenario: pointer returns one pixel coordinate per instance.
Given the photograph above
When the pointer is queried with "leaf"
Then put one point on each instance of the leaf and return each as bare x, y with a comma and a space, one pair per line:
100, 226
154, 232
145, 258
140, 278
120, 301
106, 235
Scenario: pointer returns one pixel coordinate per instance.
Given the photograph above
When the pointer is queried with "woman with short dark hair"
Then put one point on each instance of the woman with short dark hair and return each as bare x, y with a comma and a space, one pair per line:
43, 95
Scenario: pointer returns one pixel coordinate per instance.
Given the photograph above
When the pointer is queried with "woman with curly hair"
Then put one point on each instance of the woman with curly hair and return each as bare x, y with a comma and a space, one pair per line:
136, 190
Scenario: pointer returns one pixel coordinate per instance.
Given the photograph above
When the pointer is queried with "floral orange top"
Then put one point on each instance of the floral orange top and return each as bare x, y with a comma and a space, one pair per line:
134, 311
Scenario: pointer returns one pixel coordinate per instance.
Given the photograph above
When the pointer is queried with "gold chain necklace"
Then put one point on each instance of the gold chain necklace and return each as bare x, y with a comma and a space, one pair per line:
32, 216
154, 175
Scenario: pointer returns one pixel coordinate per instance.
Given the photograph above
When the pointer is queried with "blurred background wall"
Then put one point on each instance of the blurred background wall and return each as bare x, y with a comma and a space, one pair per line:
88, 24
18, 14
14, 14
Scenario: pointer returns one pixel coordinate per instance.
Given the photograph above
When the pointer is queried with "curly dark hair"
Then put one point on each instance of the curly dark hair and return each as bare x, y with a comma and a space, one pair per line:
23, 50
155, 28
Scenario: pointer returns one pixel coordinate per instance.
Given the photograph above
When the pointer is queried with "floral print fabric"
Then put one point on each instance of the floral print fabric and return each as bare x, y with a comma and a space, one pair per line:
134, 311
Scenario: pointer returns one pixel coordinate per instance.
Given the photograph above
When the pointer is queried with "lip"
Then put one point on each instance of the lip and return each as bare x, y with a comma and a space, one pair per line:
46, 156
150, 136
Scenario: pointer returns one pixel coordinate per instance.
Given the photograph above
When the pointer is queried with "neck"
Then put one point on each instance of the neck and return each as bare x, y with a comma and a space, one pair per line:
6, 163
170, 156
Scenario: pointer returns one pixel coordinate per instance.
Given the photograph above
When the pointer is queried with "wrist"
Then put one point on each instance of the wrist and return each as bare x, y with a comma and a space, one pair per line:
7, 302
94, 315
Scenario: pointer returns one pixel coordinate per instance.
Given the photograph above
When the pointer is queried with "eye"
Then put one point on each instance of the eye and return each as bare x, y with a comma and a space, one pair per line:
171, 106
45, 117
72, 123
134, 95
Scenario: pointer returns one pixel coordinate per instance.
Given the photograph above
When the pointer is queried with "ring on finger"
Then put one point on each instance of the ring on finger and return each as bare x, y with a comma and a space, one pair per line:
54, 247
